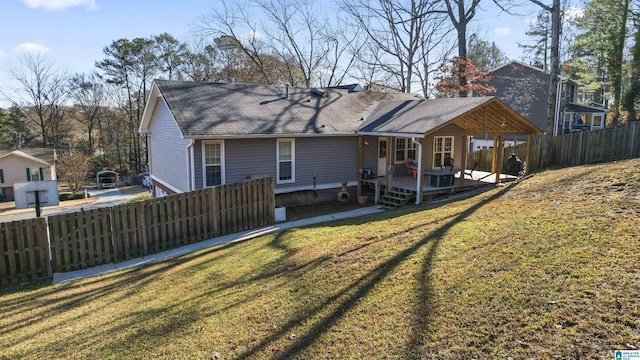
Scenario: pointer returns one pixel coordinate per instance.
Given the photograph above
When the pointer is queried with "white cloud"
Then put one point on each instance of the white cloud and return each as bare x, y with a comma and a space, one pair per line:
251, 37
1, 53
573, 13
60, 4
503, 31
31, 48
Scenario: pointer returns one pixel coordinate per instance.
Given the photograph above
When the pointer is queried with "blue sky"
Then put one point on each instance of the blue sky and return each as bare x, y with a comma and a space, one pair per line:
74, 32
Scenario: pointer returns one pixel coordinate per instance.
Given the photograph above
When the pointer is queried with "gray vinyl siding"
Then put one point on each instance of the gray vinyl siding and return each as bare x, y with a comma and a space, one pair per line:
250, 157
167, 150
370, 153
331, 159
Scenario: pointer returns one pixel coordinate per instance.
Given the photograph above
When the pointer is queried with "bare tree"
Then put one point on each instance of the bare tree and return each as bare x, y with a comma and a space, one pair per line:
400, 36
87, 92
295, 42
42, 94
200, 62
73, 168
461, 12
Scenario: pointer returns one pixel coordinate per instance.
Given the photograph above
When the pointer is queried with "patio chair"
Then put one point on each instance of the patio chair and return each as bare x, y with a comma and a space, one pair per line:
412, 166
448, 161
470, 172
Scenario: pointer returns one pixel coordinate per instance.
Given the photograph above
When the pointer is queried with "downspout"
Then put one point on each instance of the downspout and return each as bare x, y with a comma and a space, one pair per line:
419, 177
191, 179
556, 120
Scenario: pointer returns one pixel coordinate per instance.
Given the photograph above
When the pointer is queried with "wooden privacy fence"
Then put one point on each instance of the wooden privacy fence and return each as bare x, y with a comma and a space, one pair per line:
24, 251
107, 235
578, 148
102, 236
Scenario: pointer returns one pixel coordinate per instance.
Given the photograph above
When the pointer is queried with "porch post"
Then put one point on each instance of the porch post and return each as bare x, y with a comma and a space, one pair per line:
494, 154
500, 152
465, 146
419, 177
527, 156
360, 155
388, 165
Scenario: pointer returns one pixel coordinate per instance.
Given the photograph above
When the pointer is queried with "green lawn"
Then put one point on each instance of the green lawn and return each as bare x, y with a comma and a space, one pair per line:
545, 268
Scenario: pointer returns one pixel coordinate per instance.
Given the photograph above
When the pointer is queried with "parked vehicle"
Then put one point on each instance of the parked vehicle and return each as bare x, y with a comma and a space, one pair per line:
106, 179
146, 181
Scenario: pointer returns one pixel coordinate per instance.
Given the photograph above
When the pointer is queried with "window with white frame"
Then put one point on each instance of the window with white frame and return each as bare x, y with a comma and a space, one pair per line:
442, 149
35, 174
405, 148
213, 163
286, 156
597, 121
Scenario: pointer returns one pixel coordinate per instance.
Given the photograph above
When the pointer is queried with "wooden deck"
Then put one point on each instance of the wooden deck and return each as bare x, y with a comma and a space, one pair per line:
479, 178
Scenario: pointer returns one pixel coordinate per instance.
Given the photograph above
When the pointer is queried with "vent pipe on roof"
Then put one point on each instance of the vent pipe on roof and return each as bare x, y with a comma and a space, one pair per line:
286, 91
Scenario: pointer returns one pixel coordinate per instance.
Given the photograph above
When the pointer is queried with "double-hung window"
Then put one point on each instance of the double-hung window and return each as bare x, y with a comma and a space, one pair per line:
405, 148
442, 149
35, 174
213, 163
286, 156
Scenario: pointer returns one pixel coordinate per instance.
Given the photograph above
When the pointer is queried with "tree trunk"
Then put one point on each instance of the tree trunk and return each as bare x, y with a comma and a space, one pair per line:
462, 50
617, 63
553, 84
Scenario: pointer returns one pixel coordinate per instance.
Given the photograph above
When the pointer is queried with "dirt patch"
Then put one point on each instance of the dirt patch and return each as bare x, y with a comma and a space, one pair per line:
321, 208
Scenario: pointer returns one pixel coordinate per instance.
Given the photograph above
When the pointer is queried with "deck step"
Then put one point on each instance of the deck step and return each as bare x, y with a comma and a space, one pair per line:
396, 197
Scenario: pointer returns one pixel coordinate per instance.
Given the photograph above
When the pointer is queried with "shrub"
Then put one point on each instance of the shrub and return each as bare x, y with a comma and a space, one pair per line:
70, 196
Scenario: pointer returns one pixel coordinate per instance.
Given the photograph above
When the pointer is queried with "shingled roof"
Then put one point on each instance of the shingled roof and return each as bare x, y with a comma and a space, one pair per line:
205, 109
417, 117
43, 154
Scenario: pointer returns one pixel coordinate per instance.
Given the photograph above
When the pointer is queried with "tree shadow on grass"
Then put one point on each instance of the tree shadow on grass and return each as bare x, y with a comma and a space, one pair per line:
48, 303
347, 298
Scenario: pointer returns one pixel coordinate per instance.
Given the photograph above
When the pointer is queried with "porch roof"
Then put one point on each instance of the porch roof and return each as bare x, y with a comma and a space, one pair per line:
581, 108
474, 115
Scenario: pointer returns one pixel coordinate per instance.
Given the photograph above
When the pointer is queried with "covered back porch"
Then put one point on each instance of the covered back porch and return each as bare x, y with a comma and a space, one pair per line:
421, 146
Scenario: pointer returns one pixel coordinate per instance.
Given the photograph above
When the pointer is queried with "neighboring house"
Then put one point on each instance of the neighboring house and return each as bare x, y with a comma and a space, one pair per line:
205, 134
24, 165
525, 89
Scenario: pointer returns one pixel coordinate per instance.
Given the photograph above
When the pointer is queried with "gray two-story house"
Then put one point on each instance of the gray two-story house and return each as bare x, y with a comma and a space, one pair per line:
525, 88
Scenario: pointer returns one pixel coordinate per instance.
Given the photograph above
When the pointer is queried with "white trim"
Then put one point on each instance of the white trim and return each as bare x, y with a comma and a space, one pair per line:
149, 109
310, 187
293, 160
193, 165
204, 164
165, 184
190, 162
406, 149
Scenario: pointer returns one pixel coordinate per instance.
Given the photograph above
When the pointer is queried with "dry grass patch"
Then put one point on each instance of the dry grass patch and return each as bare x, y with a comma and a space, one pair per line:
540, 269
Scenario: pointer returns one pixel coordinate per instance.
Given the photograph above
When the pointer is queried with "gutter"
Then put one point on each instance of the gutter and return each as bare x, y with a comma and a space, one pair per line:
393, 134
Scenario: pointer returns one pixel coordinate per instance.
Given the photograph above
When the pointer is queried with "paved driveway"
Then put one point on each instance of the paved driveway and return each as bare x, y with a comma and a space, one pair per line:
105, 198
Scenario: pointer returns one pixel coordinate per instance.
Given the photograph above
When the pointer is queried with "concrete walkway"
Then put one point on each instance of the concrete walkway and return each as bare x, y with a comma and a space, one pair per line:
59, 278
